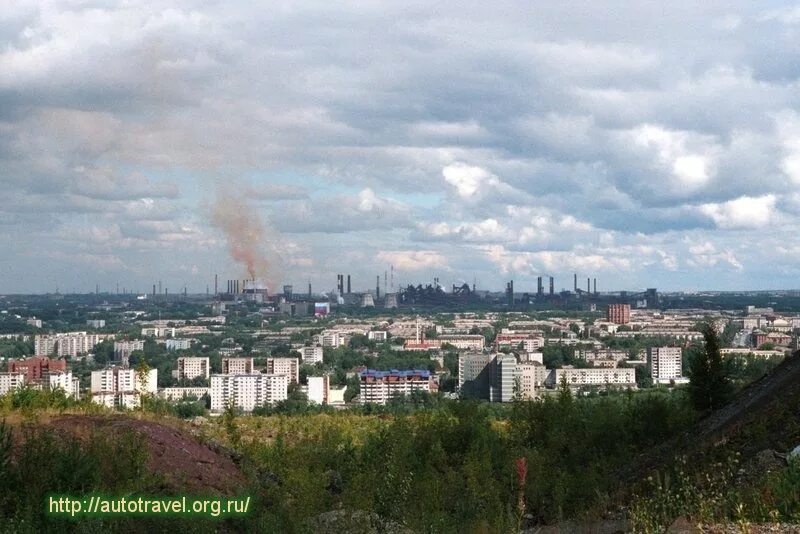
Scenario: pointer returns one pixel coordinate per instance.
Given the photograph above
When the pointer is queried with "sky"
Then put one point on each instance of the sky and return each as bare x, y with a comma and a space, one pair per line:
647, 144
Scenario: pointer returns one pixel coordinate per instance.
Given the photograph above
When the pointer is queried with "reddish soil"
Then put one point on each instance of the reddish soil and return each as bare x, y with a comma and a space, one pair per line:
184, 463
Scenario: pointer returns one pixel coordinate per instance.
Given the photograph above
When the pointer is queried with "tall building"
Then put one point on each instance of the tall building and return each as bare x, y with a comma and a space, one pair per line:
37, 369
71, 386
595, 376
532, 378
178, 344
504, 378
11, 381
121, 386
474, 375
66, 344
318, 389
123, 350
311, 355
237, 366
619, 313
284, 366
666, 364
191, 367
378, 387
247, 391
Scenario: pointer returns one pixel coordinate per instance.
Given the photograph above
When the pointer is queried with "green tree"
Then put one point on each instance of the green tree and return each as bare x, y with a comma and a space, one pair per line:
710, 387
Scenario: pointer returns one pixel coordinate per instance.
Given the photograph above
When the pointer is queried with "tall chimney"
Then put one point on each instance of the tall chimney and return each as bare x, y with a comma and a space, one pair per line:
595, 286
215, 285
348, 284
576, 283
552, 286
378, 287
588, 285
154, 289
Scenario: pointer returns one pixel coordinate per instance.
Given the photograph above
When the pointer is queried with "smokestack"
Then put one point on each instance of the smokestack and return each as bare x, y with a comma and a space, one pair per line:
552, 286
595, 286
340, 283
215, 285
159, 287
539, 286
309, 291
575, 285
154, 289
378, 287
588, 285
348, 284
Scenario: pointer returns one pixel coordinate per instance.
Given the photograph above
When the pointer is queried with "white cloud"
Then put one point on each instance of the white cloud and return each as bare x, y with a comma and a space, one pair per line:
743, 212
414, 260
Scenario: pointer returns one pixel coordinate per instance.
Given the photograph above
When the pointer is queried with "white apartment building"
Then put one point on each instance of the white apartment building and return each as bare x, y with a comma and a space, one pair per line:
246, 392
34, 322
123, 349
178, 344
11, 381
531, 344
71, 386
329, 338
379, 386
237, 366
665, 364
595, 376
378, 335
69, 344
505, 378
120, 386
158, 331
96, 323
532, 378
284, 366
318, 388
176, 394
311, 355
474, 342
191, 367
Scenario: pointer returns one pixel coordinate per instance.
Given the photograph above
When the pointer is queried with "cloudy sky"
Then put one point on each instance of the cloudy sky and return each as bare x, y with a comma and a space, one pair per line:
644, 143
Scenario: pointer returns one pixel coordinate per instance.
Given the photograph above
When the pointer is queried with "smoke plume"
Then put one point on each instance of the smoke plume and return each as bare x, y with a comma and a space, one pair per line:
248, 236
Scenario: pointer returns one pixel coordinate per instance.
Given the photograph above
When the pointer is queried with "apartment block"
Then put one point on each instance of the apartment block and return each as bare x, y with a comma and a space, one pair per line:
178, 344
122, 387
619, 313
66, 344
11, 381
318, 389
311, 355
247, 391
237, 366
595, 376
474, 375
37, 369
284, 366
123, 350
191, 367
474, 342
177, 394
666, 364
378, 387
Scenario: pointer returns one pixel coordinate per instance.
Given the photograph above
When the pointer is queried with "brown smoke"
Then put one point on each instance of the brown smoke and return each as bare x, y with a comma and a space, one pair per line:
247, 234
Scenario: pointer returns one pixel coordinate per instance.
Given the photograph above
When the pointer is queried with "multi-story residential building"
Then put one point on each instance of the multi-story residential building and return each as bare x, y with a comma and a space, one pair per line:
11, 381
505, 377
123, 350
237, 366
284, 366
474, 375
37, 369
67, 344
595, 376
601, 354
378, 335
178, 344
666, 364
530, 340
311, 355
464, 341
531, 344
774, 338
379, 387
177, 394
247, 391
318, 389
532, 379
96, 323
328, 338
158, 331
71, 386
34, 322
191, 367
619, 313
121, 386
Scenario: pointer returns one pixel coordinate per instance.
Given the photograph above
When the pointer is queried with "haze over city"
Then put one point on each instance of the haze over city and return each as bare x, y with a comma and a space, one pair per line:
644, 145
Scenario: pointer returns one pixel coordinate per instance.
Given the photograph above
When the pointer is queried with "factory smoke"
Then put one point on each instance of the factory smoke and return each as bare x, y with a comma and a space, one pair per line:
250, 240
